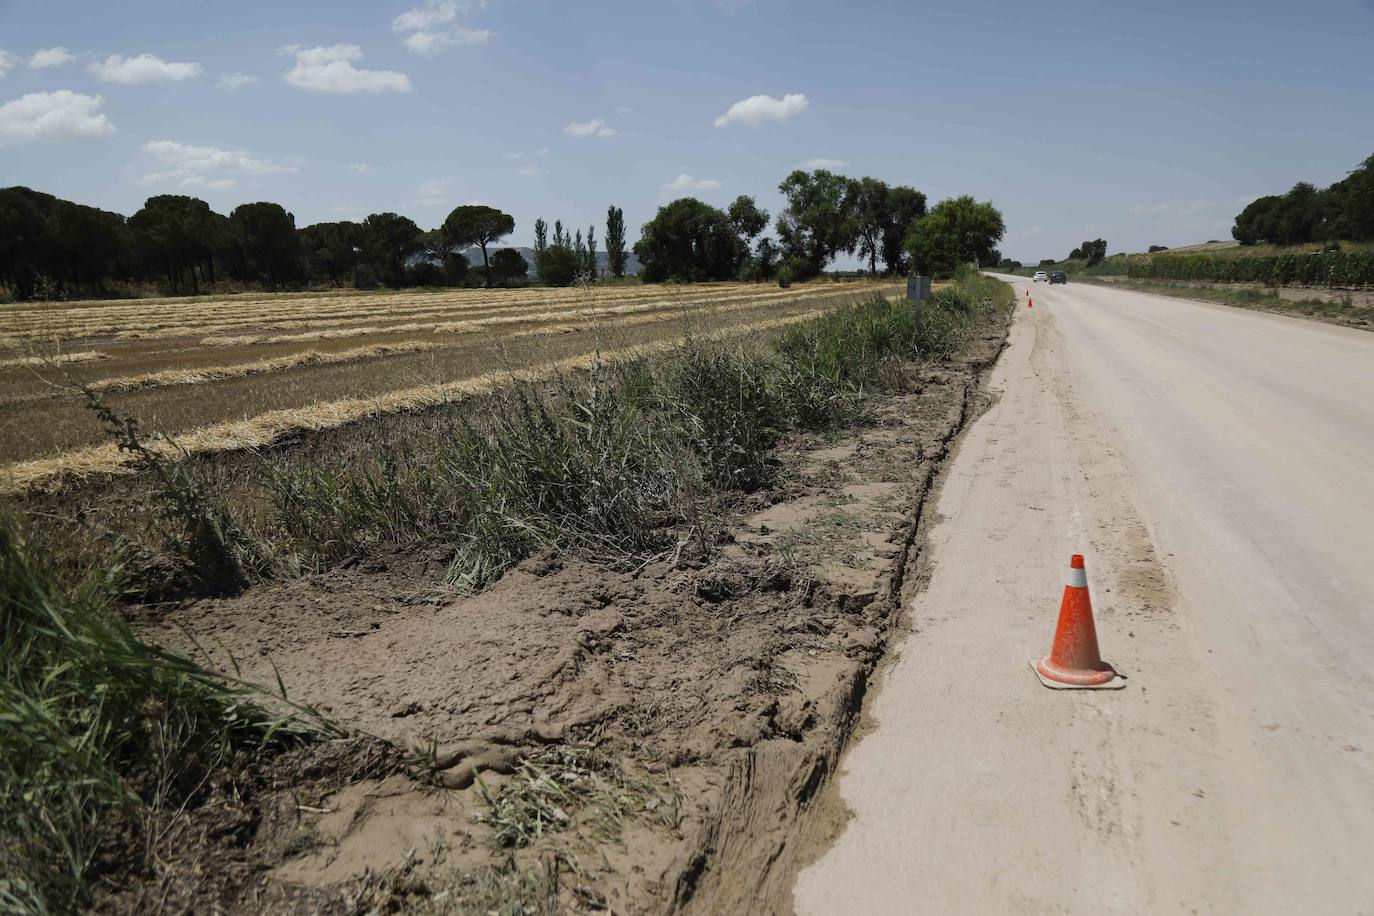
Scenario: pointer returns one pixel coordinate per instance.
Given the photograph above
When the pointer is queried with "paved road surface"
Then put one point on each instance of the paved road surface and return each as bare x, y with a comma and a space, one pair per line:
1216, 466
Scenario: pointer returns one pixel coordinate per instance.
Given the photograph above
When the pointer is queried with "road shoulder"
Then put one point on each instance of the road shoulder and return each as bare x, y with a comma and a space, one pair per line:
976, 789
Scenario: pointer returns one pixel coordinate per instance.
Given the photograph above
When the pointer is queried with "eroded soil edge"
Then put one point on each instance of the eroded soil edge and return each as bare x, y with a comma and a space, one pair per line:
576, 738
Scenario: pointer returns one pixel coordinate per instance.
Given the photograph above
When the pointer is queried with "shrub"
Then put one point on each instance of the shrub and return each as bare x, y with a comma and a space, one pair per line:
785, 277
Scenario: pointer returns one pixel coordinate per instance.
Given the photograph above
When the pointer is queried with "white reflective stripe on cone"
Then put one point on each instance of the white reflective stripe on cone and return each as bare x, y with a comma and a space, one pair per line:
1078, 578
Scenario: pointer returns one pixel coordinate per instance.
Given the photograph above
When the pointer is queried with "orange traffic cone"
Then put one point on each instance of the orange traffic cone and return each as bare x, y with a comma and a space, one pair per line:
1028, 303
1075, 662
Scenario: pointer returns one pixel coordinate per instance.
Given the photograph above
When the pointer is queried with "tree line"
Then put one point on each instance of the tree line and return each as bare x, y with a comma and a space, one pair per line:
53, 248
1345, 210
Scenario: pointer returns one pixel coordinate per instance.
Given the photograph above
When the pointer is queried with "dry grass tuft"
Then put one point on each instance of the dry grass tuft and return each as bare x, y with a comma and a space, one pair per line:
294, 360
58, 359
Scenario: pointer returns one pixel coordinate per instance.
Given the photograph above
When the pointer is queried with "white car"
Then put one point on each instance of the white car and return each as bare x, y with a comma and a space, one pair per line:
1040, 275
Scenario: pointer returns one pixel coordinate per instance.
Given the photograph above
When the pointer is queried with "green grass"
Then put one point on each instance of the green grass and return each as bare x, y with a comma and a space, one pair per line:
100, 733
614, 463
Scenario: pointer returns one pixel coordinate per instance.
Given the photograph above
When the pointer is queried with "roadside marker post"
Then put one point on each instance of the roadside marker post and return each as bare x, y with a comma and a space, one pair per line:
917, 291
1074, 662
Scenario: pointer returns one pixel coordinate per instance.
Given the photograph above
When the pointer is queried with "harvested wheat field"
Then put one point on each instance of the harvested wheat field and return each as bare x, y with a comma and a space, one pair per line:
518, 602
216, 373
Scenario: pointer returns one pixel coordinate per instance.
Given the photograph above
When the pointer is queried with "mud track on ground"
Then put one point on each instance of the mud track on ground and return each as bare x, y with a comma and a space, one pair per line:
577, 738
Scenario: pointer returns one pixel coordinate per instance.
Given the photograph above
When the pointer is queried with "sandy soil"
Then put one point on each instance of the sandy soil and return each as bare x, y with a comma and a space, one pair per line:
714, 693
1213, 466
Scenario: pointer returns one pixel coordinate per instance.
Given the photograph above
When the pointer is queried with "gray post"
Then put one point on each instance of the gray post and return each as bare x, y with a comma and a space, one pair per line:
918, 290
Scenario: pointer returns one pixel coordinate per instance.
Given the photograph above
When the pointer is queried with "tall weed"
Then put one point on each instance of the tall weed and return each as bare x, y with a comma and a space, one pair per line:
97, 730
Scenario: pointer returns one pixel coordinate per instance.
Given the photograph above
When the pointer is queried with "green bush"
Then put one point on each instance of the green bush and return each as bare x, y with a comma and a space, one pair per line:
784, 277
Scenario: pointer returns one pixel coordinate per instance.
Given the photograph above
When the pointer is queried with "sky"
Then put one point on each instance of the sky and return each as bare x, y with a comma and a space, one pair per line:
1143, 124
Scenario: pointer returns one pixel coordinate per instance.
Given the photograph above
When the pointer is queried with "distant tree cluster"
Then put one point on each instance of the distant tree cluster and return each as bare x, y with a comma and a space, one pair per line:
1094, 252
826, 215
179, 243
1306, 213
52, 247
567, 257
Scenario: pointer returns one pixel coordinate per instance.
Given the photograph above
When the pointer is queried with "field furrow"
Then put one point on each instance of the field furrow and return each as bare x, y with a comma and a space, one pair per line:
210, 388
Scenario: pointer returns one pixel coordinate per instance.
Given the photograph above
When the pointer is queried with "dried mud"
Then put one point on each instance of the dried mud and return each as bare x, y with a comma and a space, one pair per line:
685, 715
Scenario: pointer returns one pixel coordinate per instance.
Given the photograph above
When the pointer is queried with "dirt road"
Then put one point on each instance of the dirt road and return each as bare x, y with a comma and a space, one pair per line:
1216, 466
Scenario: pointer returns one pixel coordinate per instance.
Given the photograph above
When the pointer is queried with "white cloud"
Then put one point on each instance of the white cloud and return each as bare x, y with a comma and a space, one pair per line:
51, 57
360, 168
688, 183
541, 152
756, 109
437, 192
7, 62
235, 80
531, 171
430, 30
202, 167
812, 164
142, 68
330, 69
60, 115
428, 44
434, 13
596, 127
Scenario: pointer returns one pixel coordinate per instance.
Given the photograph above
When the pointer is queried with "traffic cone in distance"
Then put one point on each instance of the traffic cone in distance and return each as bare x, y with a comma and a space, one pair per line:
1074, 661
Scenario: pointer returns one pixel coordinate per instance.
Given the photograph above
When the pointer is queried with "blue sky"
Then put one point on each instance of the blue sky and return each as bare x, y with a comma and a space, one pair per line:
1148, 124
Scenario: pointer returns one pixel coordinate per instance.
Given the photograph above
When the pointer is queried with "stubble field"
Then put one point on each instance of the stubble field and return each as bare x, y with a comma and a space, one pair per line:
242, 372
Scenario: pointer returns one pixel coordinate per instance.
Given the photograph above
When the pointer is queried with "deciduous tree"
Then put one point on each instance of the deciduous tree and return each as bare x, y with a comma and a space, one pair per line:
905, 205
818, 222
954, 232
690, 241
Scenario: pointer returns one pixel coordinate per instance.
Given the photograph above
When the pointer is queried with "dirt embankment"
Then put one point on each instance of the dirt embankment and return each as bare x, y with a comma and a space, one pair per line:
646, 740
